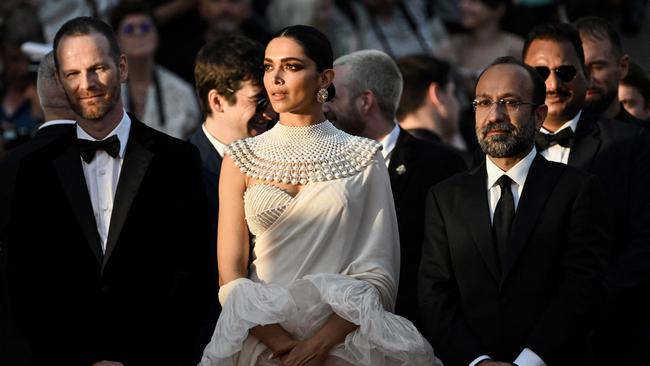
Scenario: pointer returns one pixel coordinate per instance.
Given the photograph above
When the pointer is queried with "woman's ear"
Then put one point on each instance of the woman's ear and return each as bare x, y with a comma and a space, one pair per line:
326, 78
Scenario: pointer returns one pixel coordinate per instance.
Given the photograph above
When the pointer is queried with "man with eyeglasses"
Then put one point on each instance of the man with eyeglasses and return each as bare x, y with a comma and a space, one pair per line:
514, 247
619, 155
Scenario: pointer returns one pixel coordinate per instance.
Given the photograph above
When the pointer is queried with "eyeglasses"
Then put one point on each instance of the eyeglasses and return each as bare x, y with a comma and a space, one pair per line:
511, 105
141, 28
565, 73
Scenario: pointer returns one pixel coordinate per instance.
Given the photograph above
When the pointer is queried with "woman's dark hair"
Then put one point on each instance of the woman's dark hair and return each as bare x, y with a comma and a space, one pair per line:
315, 45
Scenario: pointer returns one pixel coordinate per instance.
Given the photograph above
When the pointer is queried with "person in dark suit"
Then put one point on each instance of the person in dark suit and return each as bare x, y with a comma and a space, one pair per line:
428, 108
618, 154
59, 120
368, 87
228, 78
107, 240
514, 248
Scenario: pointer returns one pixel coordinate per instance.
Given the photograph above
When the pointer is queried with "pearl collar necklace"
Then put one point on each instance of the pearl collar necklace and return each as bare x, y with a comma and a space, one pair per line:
298, 155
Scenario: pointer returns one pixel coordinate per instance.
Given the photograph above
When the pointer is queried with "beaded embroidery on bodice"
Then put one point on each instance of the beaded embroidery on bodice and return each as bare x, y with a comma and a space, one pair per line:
263, 205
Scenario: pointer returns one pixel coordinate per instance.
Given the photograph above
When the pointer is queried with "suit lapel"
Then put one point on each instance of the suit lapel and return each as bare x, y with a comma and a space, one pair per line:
398, 168
475, 210
70, 172
136, 161
585, 143
539, 185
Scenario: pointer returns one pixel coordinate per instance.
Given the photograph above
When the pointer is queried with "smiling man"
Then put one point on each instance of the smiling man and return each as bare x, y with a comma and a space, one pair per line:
513, 248
618, 154
117, 268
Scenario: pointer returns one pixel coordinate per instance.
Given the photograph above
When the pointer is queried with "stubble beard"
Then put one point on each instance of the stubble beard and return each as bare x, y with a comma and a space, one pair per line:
98, 110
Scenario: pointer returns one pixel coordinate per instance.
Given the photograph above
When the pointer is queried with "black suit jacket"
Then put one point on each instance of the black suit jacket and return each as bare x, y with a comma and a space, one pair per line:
8, 168
619, 155
415, 166
548, 293
140, 302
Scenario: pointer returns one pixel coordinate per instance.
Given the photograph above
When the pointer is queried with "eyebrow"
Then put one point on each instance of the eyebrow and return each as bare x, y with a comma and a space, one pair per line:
285, 59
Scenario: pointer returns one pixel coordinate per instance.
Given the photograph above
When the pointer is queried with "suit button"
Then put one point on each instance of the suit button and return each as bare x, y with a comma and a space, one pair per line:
503, 300
106, 289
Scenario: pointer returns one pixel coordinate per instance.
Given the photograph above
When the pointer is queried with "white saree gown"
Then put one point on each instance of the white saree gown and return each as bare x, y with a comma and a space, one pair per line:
332, 248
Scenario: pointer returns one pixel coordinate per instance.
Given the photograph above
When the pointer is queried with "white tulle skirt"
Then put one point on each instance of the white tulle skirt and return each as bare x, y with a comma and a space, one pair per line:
382, 339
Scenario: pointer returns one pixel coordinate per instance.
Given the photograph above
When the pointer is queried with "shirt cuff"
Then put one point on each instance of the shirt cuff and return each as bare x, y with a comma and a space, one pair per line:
529, 358
479, 359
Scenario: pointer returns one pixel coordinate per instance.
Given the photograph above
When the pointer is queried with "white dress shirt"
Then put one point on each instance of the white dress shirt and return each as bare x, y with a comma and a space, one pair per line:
518, 174
388, 143
102, 175
220, 146
558, 153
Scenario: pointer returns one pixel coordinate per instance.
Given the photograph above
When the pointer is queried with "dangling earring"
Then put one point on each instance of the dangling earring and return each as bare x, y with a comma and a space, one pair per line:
322, 95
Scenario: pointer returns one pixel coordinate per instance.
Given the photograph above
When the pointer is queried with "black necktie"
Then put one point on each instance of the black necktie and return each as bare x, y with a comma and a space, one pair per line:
87, 148
503, 216
563, 138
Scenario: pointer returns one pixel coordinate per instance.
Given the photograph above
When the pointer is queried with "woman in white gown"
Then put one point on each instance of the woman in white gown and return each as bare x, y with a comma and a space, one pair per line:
326, 248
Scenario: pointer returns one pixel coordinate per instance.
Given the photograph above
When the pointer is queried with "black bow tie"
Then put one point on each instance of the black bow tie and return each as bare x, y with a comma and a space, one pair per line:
87, 148
563, 138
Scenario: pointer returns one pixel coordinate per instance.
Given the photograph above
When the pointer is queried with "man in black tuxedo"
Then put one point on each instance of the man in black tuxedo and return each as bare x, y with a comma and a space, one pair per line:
619, 155
107, 242
514, 248
59, 120
368, 88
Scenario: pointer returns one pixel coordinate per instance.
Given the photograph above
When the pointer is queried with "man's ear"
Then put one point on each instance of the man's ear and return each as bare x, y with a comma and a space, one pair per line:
216, 101
433, 94
123, 67
365, 101
624, 65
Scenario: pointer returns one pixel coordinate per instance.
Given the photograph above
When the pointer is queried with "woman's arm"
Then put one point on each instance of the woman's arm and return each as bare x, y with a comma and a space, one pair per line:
233, 248
232, 234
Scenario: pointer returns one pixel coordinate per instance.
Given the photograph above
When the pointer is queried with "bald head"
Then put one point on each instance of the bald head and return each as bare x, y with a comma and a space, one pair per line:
50, 94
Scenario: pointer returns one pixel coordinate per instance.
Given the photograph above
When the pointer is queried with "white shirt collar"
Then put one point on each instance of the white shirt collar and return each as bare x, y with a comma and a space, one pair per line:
121, 130
572, 123
389, 141
57, 122
517, 173
218, 145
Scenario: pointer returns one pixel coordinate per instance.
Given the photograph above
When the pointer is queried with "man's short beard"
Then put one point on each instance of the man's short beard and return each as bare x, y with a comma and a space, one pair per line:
102, 111
514, 143
599, 106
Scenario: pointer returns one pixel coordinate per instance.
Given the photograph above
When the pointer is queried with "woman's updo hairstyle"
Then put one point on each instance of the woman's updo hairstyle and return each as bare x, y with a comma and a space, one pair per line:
315, 45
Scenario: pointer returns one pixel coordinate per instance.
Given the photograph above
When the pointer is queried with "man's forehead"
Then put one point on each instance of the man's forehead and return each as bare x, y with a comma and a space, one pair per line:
504, 79
549, 51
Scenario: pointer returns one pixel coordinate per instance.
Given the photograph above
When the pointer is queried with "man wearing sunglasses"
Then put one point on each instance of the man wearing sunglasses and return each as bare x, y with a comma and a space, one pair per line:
619, 155
514, 248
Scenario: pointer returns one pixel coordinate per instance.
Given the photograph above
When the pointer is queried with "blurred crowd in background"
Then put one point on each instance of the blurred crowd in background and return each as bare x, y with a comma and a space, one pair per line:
162, 37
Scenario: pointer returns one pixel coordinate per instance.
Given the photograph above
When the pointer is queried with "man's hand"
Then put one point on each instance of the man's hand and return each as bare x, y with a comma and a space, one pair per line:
108, 363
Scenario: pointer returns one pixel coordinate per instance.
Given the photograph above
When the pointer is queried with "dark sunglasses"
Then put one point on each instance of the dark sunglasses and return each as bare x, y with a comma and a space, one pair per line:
565, 73
143, 28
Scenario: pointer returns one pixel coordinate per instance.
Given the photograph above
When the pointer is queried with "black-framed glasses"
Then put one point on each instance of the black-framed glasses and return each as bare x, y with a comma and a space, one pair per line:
565, 73
484, 105
142, 28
